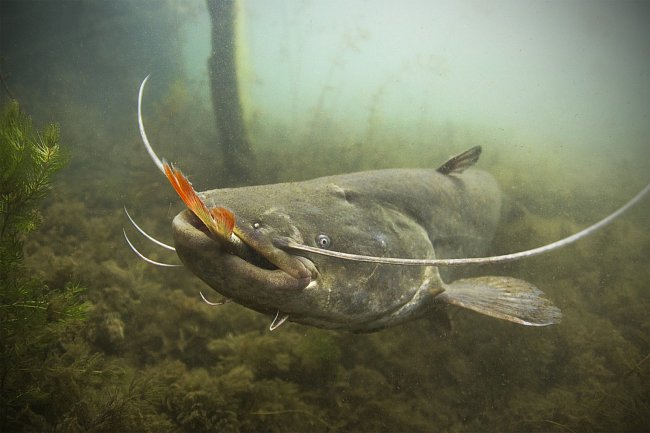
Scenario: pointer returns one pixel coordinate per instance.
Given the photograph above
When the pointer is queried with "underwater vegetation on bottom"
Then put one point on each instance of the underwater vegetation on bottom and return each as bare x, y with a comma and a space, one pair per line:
138, 350
33, 316
50, 379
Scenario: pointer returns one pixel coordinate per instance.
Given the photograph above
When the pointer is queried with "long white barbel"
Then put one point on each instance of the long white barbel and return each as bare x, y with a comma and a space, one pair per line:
420, 262
289, 244
143, 134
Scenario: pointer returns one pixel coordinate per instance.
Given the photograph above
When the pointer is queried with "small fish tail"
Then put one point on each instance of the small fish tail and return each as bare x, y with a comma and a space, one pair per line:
224, 220
220, 221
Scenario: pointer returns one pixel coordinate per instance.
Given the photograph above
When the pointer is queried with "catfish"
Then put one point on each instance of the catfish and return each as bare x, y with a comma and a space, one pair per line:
358, 252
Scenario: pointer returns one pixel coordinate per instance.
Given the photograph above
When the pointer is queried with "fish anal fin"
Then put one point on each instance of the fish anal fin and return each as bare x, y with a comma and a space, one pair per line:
462, 161
504, 298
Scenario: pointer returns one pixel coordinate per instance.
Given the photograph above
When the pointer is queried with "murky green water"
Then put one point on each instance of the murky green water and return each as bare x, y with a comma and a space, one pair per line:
562, 130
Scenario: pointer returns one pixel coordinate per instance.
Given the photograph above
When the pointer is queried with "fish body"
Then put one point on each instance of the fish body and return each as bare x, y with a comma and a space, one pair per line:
360, 251
409, 213
262, 246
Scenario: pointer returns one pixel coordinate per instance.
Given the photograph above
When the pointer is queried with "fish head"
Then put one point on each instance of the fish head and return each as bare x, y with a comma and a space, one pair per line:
249, 269
255, 271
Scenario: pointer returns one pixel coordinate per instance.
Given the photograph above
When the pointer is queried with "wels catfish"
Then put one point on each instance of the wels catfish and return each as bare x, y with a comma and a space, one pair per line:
357, 252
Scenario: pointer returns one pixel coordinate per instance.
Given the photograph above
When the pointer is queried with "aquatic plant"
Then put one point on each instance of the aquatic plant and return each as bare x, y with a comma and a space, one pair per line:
50, 380
32, 316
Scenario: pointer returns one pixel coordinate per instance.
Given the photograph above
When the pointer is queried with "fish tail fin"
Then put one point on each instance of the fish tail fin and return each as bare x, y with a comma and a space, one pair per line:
504, 298
459, 163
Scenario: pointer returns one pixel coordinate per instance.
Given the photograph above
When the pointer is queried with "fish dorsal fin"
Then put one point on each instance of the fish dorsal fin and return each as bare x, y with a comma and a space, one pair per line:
458, 164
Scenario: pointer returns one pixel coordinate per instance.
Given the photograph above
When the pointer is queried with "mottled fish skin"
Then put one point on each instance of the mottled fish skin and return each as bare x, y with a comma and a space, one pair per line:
409, 213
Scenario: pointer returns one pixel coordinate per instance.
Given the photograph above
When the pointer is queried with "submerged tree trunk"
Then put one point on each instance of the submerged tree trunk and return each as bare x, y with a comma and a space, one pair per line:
222, 70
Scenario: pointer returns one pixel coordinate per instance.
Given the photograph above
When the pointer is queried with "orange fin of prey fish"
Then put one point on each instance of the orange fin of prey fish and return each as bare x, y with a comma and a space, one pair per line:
220, 221
224, 220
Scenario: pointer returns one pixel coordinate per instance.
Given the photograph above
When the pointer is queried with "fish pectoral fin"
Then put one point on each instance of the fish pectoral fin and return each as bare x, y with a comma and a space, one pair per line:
458, 164
504, 298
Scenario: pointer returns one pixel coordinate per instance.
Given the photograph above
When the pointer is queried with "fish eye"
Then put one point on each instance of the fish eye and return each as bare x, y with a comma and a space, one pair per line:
256, 225
323, 241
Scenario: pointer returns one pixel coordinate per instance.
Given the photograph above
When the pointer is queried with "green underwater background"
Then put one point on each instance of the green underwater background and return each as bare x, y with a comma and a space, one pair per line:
96, 340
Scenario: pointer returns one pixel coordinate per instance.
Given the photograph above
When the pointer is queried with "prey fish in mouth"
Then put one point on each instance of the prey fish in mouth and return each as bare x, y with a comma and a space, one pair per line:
218, 220
360, 251
221, 225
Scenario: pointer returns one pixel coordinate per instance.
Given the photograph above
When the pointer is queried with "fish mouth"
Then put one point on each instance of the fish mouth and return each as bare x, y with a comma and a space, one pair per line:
235, 261
237, 246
